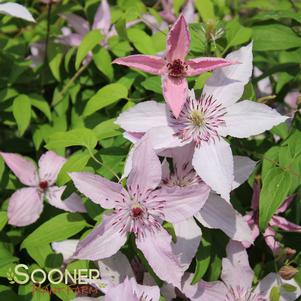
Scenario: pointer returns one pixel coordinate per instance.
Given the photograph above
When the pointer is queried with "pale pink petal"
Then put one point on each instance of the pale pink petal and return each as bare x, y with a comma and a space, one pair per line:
264, 85
243, 167
100, 190
134, 137
227, 84
247, 118
156, 248
175, 91
23, 168
204, 64
115, 268
284, 224
72, 204
122, 291
214, 164
178, 40
79, 24
102, 19
146, 173
25, 207
72, 40
189, 236
236, 265
50, 165
285, 204
203, 291
143, 117
66, 247
104, 241
270, 239
181, 203
272, 280
188, 11
16, 10
147, 63
219, 214
249, 218
163, 138
145, 292
291, 99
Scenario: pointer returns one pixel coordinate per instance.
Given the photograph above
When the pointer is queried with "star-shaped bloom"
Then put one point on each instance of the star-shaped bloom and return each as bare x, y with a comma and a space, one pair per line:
117, 280
26, 204
277, 221
204, 121
216, 212
140, 209
173, 68
236, 283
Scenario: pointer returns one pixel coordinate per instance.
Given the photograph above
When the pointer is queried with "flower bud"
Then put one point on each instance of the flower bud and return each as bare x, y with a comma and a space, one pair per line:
287, 272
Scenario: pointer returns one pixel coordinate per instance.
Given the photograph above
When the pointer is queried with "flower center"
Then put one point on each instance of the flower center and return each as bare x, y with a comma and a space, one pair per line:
199, 120
177, 68
43, 185
137, 212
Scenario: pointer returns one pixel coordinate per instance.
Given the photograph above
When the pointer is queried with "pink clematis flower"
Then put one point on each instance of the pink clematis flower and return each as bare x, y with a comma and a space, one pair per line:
276, 221
26, 204
216, 212
140, 210
236, 283
174, 68
204, 121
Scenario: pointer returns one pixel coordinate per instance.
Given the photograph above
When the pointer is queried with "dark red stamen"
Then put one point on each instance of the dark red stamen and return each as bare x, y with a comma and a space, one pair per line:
43, 185
136, 211
177, 68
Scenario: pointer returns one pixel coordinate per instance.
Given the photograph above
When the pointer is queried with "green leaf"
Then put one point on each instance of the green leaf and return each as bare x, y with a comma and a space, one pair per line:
153, 83
57, 228
103, 62
41, 104
205, 9
90, 40
203, 257
63, 291
289, 288
141, 40
22, 112
83, 137
275, 294
3, 219
236, 34
74, 163
55, 57
120, 26
105, 97
275, 187
274, 37
107, 129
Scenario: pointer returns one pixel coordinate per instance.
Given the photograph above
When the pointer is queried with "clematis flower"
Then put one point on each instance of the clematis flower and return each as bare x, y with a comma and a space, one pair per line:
16, 10
236, 283
140, 210
114, 272
174, 69
215, 214
26, 204
102, 21
276, 221
204, 121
